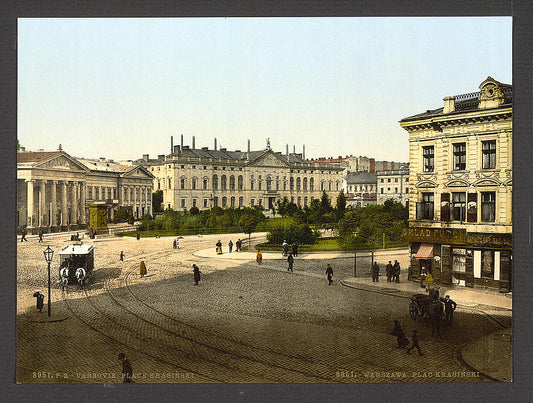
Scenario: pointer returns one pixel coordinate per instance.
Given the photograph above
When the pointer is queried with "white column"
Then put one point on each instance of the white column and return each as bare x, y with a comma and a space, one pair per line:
64, 208
53, 209
497, 265
75, 201
42, 203
83, 189
30, 202
477, 264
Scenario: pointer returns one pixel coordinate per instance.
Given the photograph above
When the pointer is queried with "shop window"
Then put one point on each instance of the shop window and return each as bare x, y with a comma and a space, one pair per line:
458, 206
459, 260
487, 263
429, 158
488, 206
488, 154
459, 157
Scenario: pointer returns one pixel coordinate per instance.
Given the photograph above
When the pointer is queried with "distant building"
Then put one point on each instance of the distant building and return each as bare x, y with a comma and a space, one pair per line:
393, 185
460, 200
203, 178
54, 189
360, 188
360, 164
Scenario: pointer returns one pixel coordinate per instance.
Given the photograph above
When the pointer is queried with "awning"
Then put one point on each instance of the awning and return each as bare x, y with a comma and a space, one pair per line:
425, 251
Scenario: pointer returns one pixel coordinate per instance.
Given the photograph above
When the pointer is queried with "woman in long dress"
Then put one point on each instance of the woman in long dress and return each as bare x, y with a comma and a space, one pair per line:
259, 257
219, 247
142, 269
196, 272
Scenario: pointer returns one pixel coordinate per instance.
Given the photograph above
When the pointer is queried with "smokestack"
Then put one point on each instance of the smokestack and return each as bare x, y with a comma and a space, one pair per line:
303, 151
171, 144
182, 141
193, 143
215, 143
248, 145
287, 149
294, 149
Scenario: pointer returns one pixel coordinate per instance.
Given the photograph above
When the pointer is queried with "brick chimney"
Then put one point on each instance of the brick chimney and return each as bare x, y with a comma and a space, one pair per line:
449, 104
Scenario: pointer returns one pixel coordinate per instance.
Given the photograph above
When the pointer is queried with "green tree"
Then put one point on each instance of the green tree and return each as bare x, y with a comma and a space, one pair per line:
341, 204
157, 201
248, 224
121, 215
194, 210
325, 202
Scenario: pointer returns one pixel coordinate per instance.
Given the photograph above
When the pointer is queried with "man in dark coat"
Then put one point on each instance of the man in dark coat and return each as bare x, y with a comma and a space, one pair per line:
121, 255
230, 246
41, 236
396, 271
415, 343
375, 272
196, 271
23, 235
295, 249
290, 260
39, 300
329, 272
127, 371
449, 308
399, 334
388, 270
138, 235
238, 245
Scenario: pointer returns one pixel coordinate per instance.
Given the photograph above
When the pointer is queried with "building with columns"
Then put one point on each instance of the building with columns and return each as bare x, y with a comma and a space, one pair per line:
393, 185
460, 199
54, 189
203, 178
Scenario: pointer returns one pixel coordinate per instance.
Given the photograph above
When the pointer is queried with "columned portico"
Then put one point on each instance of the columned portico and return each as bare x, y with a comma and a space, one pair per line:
82, 204
64, 207
42, 204
30, 206
54, 225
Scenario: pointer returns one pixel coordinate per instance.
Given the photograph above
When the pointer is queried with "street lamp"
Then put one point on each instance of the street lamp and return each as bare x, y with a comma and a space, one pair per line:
48, 255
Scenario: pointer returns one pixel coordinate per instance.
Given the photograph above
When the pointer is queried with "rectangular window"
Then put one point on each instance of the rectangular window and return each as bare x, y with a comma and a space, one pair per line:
205, 203
459, 157
445, 207
182, 203
194, 202
458, 206
260, 202
395, 190
115, 193
488, 206
169, 183
381, 190
381, 180
395, 179
425, 208
252, 202
488, 154
97, 194
429, 158
388, 179
182, 183
459, 260
90, 192
487, 263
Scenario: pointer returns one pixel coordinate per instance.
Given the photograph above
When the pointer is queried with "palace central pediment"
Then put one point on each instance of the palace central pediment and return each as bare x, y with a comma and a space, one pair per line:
61, 162
269, 159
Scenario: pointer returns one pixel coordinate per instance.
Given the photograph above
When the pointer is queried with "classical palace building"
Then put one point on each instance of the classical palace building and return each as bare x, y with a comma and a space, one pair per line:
393, 185
203, 178
460, 200
54, 189
360, 188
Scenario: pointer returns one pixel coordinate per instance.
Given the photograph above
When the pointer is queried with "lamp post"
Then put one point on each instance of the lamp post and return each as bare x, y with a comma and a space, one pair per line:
48, 255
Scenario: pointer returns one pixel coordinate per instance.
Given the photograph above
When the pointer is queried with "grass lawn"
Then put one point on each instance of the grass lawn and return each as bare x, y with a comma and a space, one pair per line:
183, 231
269, 222
325, 245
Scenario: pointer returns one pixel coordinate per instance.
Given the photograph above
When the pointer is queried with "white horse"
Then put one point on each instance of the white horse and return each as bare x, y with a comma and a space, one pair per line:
63, 277
80, 276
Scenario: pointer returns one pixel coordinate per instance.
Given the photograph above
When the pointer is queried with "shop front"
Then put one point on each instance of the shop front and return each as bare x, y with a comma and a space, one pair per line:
457, 257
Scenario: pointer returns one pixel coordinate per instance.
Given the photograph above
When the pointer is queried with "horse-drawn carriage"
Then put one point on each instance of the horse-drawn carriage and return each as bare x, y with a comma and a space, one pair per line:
76, 264
426, 306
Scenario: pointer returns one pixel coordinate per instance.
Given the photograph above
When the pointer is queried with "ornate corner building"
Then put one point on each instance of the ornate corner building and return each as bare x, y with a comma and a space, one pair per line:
460, 200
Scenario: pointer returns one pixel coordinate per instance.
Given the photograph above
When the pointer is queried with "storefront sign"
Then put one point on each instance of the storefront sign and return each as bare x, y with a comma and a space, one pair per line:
483, 239
434, 235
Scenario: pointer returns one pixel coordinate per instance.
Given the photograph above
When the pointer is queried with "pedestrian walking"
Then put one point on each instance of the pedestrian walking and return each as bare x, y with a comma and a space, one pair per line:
329, 272
396, 271
290, 260
23, 235
295, 249
196, 271
142, 269
127, 371
449, 308
259, 257
429, 282
388, 270
219, 247
41, 236
284, 248
230, 246
138, 235
410, 273
238, 245
39, 300
415, 343
174, 244
375, 272
397, 331
121, 256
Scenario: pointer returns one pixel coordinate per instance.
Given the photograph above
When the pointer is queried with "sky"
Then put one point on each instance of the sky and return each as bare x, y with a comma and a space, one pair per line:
120, 88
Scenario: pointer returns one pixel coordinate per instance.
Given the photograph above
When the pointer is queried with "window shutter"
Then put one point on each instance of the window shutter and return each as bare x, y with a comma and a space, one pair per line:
445, 207
418, 211
471, 207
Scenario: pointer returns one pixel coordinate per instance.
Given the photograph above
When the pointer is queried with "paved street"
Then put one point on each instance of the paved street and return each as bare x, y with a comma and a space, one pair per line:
242, 323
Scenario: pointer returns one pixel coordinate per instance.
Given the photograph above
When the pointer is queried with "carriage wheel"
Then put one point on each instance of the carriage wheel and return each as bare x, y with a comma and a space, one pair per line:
413, 310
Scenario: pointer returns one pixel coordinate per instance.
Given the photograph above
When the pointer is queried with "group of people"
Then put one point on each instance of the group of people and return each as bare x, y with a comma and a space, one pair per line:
402, 339
238, 246
393, 271
285, 248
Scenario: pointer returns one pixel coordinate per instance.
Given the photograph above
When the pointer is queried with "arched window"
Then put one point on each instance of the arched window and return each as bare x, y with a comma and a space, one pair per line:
291, 186
193, 183
305, 185
170, 183
251, 184
259, 184
322, 185
223, 182
205, 183
269, 182
312, 184
329, 185
298, 185
240, 182
232, 182
241, 201
224, 201
305, 201
182, 182
215, 182
299, 201
215, 201
336, 185
232, 201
